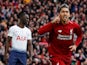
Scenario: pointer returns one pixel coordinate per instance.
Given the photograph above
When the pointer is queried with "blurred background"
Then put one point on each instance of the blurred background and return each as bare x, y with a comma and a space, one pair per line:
41, 12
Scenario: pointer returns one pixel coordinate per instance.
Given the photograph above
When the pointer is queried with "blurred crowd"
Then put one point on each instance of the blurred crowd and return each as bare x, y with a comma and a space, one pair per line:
41, 12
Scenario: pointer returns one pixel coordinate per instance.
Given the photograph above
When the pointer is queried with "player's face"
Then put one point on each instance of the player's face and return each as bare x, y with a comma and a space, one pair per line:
64, 14
25, 19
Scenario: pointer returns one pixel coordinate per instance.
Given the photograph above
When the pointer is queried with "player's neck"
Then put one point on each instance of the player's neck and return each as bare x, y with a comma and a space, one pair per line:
21, 25
64, 22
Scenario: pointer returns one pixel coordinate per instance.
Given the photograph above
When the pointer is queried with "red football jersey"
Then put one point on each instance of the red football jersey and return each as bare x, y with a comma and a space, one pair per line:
61, 37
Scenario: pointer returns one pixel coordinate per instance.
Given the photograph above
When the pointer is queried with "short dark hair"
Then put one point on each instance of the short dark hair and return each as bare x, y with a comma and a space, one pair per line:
63, 6
21, 14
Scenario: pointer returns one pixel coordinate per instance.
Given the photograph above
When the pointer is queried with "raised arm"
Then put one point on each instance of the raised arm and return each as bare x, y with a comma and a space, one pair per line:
45, 28
48, 27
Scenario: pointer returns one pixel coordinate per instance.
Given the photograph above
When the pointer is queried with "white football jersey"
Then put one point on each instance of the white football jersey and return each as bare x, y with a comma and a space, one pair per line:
19, 37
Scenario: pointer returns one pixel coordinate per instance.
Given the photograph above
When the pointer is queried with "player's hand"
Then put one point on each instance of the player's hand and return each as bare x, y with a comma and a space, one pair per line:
30, 59
56, 20
6, 58
73, 47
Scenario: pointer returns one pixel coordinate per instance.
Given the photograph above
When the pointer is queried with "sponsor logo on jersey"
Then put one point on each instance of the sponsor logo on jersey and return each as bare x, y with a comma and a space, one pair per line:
65, 37
22, 38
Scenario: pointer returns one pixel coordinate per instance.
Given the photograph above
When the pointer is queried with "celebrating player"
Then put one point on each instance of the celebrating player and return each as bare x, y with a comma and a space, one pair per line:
61, 36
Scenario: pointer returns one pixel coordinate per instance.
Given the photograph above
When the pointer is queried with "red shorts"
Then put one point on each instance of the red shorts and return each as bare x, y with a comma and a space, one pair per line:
59, 62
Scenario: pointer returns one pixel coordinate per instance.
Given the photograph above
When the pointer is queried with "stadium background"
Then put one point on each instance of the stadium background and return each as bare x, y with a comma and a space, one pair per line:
41, 12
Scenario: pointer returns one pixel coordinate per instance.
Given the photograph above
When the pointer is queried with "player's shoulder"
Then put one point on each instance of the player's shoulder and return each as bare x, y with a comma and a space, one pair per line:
74, 23
12, 27
27, 29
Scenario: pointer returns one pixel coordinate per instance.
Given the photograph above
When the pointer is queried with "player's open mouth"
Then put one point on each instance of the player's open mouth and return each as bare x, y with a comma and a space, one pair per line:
65, 17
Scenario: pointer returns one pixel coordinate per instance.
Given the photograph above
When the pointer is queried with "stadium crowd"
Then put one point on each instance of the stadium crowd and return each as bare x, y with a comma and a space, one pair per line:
40, 12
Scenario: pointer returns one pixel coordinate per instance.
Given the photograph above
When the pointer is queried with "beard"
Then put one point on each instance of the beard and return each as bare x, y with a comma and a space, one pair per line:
65, 19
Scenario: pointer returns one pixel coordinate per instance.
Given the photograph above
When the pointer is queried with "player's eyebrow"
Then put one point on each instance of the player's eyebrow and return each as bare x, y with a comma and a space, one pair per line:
65, 11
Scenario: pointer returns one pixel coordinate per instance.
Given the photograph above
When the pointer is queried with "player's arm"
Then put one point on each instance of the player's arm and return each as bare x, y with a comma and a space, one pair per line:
30, 46
78, 32
7, 44
30, 49
45, 28
7, 48
48, 27
8, 40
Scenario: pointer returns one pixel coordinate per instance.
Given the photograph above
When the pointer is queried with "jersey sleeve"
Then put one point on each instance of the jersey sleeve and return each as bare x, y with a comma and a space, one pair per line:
29, 36
78, 32
45, 28
10, 32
